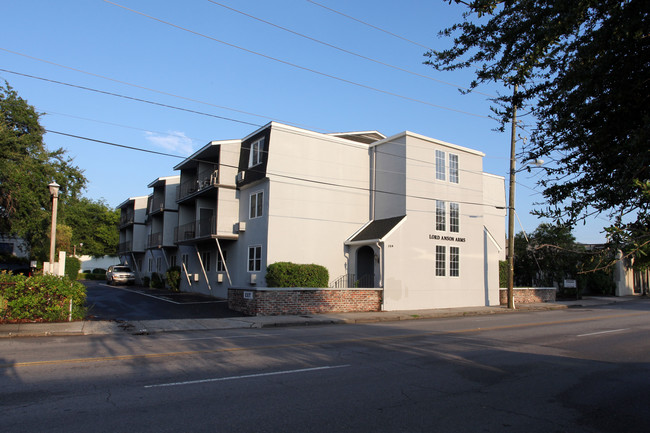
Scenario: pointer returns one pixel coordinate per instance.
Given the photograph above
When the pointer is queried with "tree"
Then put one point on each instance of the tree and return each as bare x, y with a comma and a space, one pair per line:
547, 257
95, 225
26, 168
581, 68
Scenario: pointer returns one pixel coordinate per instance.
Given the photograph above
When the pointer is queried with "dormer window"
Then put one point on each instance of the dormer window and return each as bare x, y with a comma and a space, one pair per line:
255, 156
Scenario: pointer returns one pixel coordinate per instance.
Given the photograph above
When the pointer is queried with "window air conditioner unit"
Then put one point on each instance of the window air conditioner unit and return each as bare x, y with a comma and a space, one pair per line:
253, 279
241, 226
240, 176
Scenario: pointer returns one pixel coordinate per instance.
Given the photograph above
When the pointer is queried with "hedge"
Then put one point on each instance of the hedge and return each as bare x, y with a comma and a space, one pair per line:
41, 298
286, 274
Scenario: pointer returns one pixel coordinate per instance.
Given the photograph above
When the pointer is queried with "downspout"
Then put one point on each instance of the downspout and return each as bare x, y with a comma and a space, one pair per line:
381, 272
373, 196
203, 268
223, 260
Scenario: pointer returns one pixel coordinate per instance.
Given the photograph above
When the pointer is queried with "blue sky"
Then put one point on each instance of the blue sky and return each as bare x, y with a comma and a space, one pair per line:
240, 72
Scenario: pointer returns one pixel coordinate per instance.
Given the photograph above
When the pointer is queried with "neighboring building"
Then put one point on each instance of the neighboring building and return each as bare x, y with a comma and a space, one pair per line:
133, 235
414, 216
161, 222
13, 246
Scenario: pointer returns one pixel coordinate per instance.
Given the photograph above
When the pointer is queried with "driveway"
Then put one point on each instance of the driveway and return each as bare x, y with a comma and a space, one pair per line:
139, 303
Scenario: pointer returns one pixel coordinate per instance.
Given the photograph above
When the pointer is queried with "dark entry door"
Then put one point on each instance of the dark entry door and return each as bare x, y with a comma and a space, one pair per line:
365, 267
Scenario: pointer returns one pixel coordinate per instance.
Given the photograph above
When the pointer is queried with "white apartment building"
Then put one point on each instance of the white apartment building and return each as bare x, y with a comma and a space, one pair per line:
411, 215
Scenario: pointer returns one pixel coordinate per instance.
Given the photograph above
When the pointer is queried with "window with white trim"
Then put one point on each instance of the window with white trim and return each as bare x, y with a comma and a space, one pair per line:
454, 217
441, 260
255, 155
255, 258
453, 168
440, 165
256, 204
441, 223
172, 261
454, 261
221, 261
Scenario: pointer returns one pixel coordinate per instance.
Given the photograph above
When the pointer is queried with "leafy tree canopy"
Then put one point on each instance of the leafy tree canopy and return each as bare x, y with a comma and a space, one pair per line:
95, 226
26, 168
581, 68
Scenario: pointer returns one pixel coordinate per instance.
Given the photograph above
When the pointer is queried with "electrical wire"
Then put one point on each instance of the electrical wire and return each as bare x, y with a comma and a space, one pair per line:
361, 56
267, 173
370, 25
284, 62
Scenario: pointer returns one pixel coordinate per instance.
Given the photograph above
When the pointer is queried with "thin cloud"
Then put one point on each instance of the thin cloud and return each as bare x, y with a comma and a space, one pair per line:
175, 141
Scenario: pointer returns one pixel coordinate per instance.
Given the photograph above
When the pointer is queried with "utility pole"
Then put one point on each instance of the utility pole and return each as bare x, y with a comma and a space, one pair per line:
511, 206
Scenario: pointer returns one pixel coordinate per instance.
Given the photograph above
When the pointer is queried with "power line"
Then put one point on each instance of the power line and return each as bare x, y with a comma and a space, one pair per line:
325, 136
198, 101
146, 101
284, 62
361, 56
280, 175
371, 25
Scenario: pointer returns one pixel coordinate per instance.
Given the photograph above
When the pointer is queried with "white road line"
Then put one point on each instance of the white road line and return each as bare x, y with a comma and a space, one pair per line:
219, 338
603, 332
247, 376
161, 298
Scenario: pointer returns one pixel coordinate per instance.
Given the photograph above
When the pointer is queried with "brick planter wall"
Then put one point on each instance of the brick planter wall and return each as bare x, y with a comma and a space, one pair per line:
292, 301
528, 295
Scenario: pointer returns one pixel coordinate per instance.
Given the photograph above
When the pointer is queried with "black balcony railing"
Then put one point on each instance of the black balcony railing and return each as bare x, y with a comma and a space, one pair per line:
155, 240
196, 230
205, 179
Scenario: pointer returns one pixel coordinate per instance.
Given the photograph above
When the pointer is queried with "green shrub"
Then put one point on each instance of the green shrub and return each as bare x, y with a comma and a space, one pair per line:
156, 281
99, 271
173, 278
286, 274
72, 267
146, 281
41, 298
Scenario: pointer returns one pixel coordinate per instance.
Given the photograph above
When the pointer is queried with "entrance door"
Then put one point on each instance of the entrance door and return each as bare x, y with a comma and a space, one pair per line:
365, 267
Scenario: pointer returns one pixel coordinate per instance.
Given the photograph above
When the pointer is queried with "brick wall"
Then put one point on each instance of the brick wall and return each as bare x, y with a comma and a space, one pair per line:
528, 295
273, 302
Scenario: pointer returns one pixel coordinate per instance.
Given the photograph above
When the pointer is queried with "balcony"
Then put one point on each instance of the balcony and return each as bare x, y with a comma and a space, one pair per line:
201, 229
207, 180
124, 247
156, 205
126, 218
155, 240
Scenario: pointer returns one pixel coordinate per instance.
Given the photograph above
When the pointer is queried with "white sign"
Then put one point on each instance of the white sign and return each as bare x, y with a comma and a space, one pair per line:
570, 284
248, 295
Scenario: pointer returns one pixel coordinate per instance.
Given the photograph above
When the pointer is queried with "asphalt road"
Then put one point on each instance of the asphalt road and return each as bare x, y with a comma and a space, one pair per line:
574, 370
138, 303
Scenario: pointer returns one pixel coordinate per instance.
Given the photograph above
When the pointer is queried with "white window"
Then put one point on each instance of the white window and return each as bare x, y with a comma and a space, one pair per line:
441, 223
255, 156
205, 258
172, 261
221, 262
256, 204
255, 258
454, 217
453, 168
454, 261
441, 258
440, 165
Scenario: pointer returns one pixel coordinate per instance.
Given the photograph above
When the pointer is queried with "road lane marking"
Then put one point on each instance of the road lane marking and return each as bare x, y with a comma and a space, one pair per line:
602, 332
314, 343
246, 376
160, 298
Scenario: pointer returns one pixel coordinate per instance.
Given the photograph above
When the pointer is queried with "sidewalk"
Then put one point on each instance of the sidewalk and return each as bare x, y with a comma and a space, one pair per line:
155, 326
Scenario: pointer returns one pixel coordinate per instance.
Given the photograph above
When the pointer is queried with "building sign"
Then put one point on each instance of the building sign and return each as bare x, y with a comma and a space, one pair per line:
446, 238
